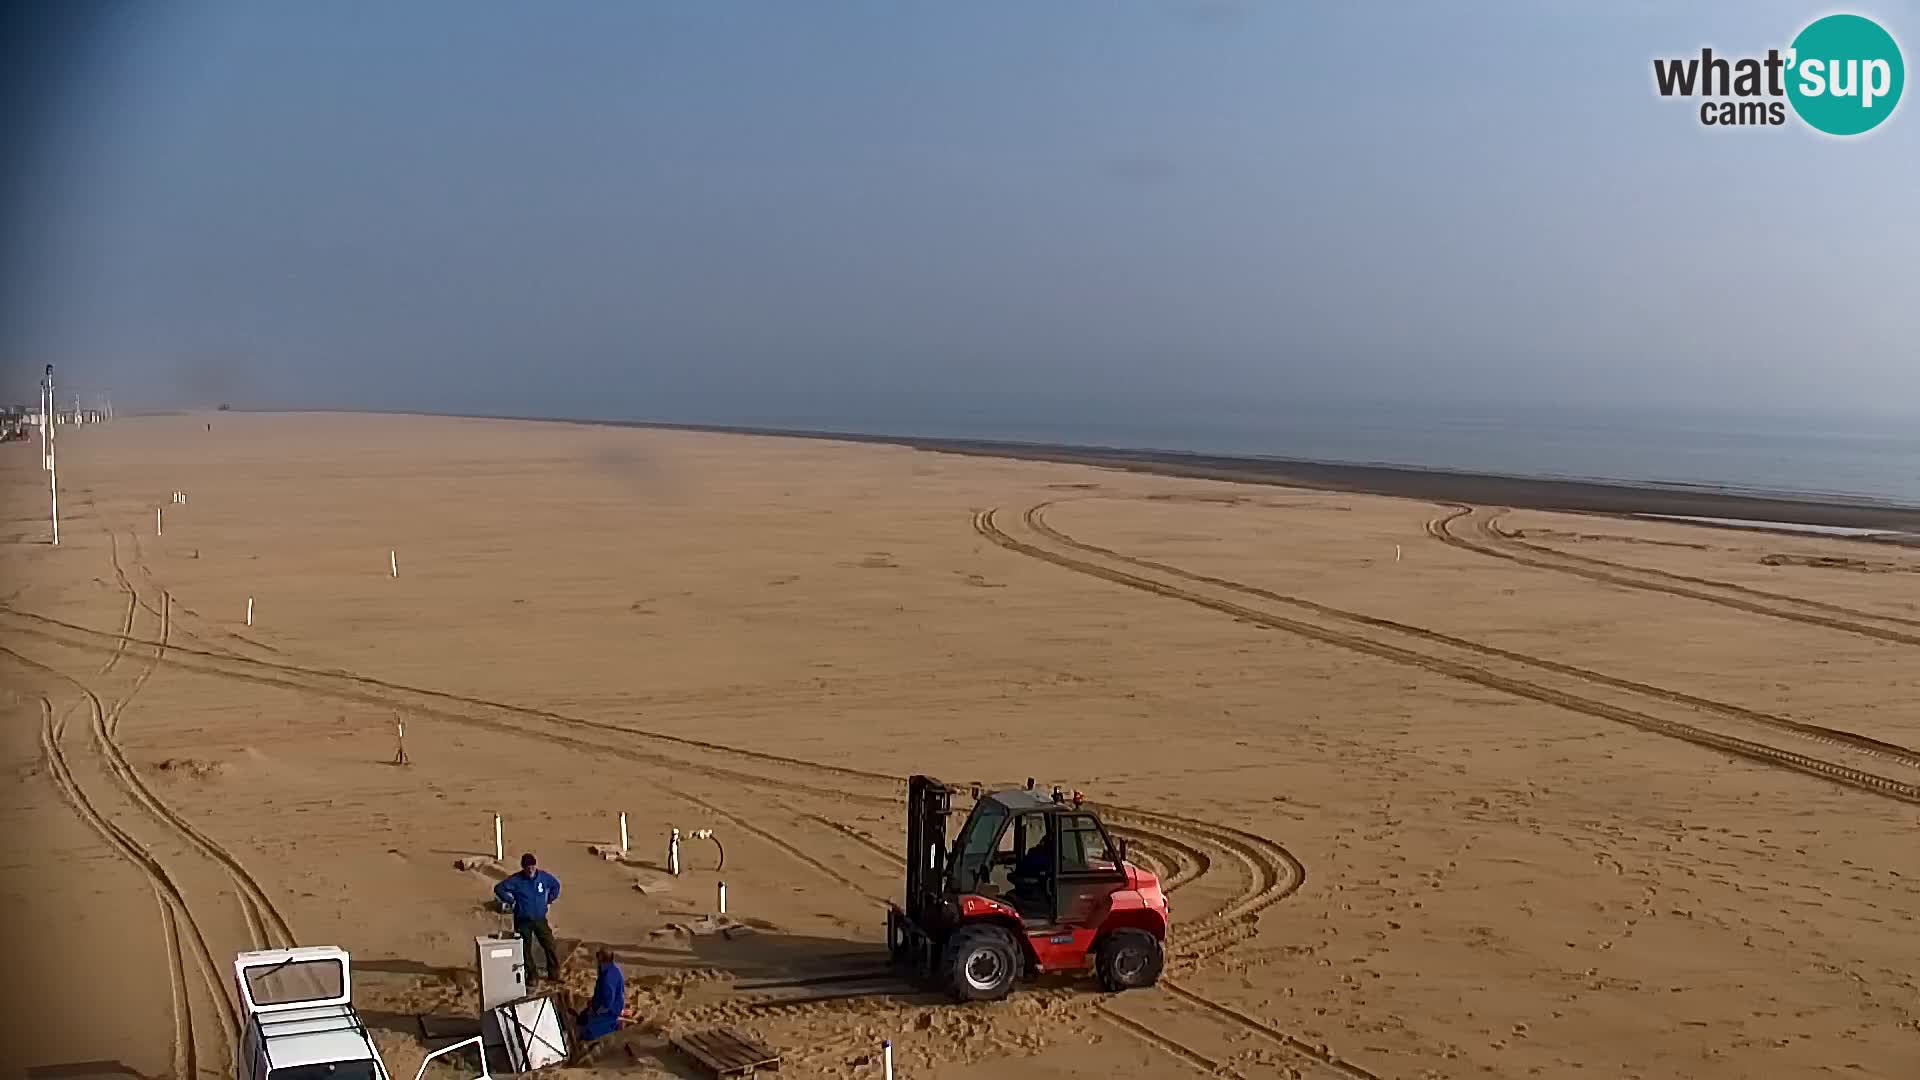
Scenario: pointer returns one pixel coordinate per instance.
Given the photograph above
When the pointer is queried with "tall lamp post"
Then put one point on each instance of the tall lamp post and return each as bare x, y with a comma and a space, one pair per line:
44, 436
46, 431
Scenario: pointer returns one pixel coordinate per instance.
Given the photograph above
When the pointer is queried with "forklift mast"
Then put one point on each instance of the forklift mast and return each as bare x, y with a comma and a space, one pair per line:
929, 803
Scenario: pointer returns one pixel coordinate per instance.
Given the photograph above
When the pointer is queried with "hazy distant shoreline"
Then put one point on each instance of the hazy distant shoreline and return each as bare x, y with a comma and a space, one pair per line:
1619, 497
1485, 489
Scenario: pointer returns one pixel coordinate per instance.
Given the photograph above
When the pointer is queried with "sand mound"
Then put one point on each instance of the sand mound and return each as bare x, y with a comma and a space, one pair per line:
191, 768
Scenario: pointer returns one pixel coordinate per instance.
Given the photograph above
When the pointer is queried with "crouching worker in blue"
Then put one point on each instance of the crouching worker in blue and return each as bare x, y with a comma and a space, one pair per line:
601, 1017
528, 894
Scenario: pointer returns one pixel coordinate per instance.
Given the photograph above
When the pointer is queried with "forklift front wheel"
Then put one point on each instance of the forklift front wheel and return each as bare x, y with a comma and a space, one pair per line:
1129, 959
981, 963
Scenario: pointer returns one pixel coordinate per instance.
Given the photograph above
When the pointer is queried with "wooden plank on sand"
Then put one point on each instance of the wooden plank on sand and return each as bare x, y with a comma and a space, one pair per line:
727, 1051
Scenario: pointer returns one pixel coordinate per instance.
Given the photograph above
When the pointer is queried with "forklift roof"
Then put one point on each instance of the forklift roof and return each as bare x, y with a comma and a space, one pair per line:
1023, 800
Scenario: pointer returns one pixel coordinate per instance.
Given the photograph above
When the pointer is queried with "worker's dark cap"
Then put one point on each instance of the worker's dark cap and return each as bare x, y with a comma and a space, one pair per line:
528, 859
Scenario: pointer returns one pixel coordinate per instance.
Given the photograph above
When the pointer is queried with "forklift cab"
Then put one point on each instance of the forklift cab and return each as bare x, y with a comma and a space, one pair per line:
1049, 859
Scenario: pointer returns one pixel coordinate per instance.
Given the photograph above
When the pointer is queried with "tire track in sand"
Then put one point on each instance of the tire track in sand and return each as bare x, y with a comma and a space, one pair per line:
182, 940
213, 629
1820, 733
1267, 863
1273, 873
1762, 753
352, 686
751, 1004
436, 704
1846, 620
126, 623
264, 918
267, 926
1490, 528
1270, 880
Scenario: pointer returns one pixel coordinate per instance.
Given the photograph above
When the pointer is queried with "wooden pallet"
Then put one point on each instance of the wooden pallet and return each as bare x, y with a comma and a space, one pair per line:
727, 1051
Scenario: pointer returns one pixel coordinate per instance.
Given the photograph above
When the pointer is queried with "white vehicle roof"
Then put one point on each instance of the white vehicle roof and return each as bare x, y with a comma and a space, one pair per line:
314, 1036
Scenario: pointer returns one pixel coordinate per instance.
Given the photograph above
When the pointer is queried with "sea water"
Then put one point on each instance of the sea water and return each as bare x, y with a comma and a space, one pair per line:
1856, 458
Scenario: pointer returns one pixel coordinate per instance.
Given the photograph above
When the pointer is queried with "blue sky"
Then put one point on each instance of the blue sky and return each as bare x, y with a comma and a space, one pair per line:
770, 212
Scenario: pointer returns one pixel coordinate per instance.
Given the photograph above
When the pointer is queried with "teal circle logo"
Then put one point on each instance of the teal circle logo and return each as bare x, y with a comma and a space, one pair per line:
1845, 74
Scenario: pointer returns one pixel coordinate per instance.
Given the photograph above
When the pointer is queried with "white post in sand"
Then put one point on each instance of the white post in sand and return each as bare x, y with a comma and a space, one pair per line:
46, 452
499, 840
723, 898
393, 560
886, 1058
156, 522
46, 422
623, 832
53, 489
1396, 553
249, 611
673, 853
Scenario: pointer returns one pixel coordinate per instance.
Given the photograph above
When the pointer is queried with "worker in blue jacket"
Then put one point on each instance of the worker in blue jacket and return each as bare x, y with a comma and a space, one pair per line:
527, 895
601, 1017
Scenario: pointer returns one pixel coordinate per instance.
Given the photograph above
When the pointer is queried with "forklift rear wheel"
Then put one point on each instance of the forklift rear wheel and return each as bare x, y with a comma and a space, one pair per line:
1128, 960
981, 963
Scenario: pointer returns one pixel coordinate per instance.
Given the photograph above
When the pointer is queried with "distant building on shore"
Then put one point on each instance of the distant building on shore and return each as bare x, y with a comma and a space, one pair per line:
13, 417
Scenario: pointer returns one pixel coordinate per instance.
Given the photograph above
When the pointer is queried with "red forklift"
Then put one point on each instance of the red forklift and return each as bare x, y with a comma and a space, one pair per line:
1032, 884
